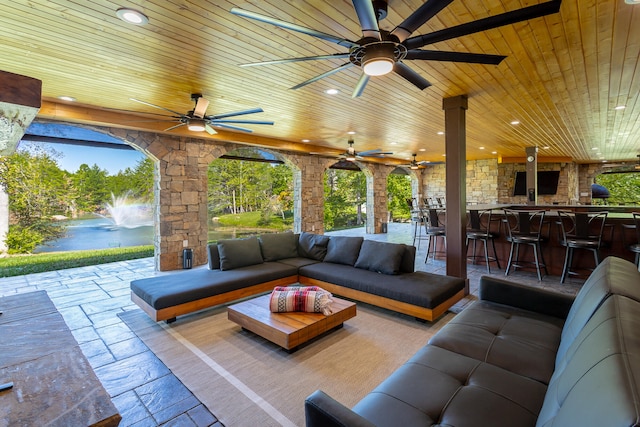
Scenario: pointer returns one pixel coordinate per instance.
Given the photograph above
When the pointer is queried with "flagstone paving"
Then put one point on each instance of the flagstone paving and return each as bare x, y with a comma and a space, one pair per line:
143, 389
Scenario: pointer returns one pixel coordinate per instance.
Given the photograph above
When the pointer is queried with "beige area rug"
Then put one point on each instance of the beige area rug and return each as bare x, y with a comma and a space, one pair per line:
247, 381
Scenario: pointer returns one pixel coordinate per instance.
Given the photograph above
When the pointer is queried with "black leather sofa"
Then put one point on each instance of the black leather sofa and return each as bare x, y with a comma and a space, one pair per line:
517, 357
374, 272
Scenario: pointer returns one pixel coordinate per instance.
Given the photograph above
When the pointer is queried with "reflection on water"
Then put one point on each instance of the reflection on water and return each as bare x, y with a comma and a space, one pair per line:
97, 233
220, 233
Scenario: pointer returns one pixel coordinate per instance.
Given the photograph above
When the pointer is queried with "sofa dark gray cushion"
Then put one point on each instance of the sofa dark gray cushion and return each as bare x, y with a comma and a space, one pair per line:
167, 290
312, 246
236, 253
277, 246
343, 250
381, 257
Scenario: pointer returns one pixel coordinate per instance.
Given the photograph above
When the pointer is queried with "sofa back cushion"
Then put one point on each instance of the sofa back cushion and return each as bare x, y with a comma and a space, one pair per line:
408, 262
276, 246
343, 249
236, 253
313, 246
213, 256
381, 257
597, 382
612, 276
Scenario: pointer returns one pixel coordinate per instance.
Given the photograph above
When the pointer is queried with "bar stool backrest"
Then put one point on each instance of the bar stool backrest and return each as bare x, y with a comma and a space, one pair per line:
524, 222
582, 225
479, 220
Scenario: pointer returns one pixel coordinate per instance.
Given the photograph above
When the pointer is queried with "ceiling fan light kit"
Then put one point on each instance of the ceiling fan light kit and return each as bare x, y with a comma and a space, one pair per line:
380, 52
196, 125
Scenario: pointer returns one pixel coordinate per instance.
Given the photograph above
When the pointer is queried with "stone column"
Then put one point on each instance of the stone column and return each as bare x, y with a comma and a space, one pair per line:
377, 210
309, 193
20, 100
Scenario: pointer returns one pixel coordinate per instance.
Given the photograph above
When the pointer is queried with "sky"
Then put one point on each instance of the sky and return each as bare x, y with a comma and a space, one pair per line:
72, 156
113, 160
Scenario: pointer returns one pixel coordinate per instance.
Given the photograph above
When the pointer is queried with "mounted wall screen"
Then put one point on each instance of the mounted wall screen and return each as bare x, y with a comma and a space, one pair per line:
547, 183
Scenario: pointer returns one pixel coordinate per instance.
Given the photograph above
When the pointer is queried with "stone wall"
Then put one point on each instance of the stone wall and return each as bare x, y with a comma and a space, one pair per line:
563, 196
482, 181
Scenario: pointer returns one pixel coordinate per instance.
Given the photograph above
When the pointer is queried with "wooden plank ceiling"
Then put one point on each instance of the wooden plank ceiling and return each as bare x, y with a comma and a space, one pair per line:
563, 77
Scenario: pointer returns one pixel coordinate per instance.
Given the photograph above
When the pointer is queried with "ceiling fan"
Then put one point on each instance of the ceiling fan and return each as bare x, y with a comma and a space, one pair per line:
414, 164
351, 155
198, 121
379, 52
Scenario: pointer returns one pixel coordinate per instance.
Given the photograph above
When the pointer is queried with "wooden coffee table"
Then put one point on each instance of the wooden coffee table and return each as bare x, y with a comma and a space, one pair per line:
288, 330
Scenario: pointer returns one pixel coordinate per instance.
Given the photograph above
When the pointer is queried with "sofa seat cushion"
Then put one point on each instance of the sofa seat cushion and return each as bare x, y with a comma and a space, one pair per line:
418, 288
437, 387
517, 340
168, 290
298, 262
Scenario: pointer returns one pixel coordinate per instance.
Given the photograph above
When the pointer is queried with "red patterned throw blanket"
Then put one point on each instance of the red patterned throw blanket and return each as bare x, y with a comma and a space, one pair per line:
311, 299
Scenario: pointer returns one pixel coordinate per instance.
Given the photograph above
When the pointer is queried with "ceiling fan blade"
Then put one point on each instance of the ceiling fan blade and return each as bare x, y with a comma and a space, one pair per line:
235, 113
496, 21
293, 27
323, 75
421, 15
367, 17
246, 122
411, 76
222, 125
201, 108
209, 129
306, 58
174, 127
362, 83
438, 55
378, 154
157, 106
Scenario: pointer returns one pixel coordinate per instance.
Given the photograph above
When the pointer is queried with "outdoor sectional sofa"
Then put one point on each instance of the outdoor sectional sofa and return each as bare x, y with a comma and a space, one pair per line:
377, 273
519, 356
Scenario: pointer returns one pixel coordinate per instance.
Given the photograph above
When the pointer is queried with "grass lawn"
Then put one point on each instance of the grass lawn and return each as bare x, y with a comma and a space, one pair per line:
17, 265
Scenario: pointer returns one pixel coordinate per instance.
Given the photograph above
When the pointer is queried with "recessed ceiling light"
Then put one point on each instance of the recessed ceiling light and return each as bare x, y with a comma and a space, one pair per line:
332, 91
480, 148
440, 133
306, 140
494, 152
620, 107
394, 143
594, 148
351, 132
444, 155
67, 98
422, 149
132, 16
515, 122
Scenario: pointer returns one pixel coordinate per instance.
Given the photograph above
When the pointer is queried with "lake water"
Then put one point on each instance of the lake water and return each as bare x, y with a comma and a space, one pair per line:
97, 233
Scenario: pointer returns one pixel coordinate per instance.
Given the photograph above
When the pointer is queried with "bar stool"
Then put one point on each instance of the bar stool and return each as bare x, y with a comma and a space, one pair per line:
418, 220
634, 247
581, 230
479, 229
434, 228
524, 227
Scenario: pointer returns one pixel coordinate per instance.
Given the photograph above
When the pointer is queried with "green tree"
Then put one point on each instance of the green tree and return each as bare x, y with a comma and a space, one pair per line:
624, 187
344, 194
38, 189
90, 184
137, 181
398, 191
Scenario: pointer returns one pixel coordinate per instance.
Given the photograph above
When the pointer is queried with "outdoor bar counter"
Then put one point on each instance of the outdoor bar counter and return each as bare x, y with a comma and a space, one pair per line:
615, 236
